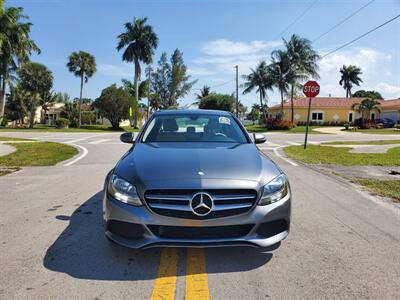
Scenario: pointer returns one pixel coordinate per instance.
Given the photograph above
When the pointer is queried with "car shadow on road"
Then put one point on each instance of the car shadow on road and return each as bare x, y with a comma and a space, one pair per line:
82, 251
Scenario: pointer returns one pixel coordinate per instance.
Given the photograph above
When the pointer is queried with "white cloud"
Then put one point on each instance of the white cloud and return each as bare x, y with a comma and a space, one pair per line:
199, 71
115, 70
375, 65
223, 47
390, 91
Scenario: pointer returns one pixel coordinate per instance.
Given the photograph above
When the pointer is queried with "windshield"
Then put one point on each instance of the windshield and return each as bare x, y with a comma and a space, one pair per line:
193, 128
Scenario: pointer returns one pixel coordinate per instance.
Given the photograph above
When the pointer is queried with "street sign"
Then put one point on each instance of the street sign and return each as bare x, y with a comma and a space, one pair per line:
311, 88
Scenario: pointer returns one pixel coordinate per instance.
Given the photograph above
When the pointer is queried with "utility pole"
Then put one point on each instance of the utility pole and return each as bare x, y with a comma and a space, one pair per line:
237, 91
148, 70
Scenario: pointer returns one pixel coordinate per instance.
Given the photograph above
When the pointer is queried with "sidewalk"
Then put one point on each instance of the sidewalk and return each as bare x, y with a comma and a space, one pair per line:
6, 149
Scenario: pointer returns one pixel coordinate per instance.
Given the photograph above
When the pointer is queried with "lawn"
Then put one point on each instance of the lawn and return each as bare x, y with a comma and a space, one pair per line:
341, 156
377, 131
2, 139
84, 128
298, 129
386, 188
382, 142
37, 154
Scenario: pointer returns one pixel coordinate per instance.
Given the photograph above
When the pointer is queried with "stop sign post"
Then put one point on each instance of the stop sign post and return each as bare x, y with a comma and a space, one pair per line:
310, 89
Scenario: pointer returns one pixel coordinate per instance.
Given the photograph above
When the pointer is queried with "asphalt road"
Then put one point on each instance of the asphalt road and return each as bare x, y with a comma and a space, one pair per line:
342, 244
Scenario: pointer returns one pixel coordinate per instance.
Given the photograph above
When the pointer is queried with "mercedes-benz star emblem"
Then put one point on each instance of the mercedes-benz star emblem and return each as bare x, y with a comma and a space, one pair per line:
201, 204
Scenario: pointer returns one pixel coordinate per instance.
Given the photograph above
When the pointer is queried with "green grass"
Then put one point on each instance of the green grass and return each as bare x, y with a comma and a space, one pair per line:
37, 154
298, 129
382, 142
377, 131
341, 156
386, 188
2, 139
84, 128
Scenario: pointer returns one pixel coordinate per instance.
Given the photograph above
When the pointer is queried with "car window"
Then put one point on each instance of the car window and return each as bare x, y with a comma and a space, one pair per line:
193, 128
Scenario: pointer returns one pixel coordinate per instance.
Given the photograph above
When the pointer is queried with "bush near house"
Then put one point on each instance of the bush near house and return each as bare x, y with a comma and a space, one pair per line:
274, 124
62, 123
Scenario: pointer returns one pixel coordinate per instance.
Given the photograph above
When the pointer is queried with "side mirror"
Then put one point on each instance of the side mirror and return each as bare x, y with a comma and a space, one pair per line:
127, 137
259, 138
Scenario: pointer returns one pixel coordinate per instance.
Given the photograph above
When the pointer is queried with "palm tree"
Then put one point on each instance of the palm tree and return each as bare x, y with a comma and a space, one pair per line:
281, 72
261, 80
303, 63
350, 76
139, 41
15, 45
36, 79
366, 106
47, 99
83, 65
204, 92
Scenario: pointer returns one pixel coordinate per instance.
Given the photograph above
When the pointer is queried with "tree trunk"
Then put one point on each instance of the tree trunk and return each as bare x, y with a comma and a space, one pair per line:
32, 113
136, 102
263, 109
292, 102
80, 104
2, 95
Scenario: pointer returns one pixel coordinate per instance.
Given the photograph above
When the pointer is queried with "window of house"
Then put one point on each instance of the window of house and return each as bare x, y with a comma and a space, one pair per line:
317, 116
372, 116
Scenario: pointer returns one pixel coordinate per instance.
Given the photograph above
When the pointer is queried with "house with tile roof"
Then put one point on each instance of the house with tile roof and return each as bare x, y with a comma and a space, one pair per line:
333, 110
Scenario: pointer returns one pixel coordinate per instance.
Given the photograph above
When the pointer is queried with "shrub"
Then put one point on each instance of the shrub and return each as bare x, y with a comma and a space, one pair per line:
62, 123
379, 126
274, 124
397, 126
346, 126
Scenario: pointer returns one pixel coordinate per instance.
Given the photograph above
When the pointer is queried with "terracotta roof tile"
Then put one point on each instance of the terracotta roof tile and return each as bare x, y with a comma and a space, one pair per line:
335, 102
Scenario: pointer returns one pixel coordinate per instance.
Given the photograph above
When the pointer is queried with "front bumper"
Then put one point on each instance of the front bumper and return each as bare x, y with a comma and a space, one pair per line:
267, 225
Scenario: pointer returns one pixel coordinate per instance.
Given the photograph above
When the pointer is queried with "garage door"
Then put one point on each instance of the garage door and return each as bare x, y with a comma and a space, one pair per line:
393, 115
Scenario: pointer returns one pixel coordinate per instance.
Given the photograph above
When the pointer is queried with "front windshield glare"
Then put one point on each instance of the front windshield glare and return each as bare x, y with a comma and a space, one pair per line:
193, 128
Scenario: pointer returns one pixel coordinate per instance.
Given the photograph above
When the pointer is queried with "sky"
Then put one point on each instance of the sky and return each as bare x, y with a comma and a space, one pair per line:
216, 35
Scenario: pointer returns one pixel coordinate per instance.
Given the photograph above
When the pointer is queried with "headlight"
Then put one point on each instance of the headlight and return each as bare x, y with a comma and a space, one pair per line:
123, 191
275, 190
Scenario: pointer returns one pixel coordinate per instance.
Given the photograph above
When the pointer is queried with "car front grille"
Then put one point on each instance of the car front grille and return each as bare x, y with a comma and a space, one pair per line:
193, 233
176, 203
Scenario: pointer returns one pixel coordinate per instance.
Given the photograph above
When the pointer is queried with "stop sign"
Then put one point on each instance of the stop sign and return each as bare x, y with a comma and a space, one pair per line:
311, 88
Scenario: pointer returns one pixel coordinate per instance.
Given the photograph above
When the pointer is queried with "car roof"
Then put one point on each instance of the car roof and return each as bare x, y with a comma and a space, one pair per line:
192, 112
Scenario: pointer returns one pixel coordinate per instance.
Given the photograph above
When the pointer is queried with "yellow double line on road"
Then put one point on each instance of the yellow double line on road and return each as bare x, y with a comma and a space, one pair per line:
196, 275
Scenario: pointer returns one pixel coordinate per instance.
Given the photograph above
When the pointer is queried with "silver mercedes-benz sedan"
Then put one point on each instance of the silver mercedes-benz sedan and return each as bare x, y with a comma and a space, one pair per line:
195, 178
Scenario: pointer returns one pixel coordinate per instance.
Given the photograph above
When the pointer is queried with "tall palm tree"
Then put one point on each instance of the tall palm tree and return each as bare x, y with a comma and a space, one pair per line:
139, 41
350, 75
281, 72
83, 65
303, 63
15, 45
261, 80
366, 106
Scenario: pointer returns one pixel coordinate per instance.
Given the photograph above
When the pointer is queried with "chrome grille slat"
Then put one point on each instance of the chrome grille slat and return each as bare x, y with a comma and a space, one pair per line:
231, 206
169, 197
232, 197
170, 206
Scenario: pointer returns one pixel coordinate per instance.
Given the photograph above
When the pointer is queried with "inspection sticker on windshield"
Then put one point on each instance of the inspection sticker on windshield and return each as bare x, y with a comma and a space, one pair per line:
224, 120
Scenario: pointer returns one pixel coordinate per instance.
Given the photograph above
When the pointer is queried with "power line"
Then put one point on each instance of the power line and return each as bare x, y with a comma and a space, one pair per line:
221, 84
299, 17
344, 20
361, 36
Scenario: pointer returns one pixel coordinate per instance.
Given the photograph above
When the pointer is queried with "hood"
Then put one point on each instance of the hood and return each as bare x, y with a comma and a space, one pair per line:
184, 161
